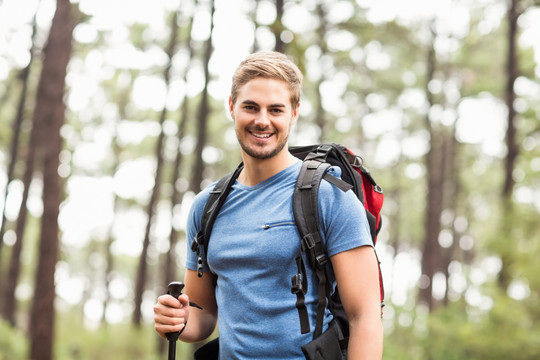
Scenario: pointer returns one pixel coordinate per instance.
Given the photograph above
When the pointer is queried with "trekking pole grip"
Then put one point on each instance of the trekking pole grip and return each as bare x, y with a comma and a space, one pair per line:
175, 290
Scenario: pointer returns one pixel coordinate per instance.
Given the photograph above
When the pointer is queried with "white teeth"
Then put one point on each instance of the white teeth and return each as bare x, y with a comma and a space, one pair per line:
261, 136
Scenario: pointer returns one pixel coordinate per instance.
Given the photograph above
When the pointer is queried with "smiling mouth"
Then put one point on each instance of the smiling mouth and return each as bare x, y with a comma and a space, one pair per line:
261, 136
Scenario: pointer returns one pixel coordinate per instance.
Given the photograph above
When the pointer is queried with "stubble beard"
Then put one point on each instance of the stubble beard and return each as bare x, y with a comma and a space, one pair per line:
259, 152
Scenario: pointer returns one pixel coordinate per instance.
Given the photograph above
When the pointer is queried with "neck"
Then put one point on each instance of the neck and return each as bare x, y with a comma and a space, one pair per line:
257, 170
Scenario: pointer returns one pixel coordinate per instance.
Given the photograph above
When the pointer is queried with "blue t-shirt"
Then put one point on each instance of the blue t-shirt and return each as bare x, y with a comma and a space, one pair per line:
252, 249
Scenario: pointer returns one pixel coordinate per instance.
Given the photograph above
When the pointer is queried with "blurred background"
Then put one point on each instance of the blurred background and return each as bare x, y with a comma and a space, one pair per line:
112, 117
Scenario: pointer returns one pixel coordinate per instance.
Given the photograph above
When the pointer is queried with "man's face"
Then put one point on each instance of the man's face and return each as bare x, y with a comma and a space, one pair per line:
263, 116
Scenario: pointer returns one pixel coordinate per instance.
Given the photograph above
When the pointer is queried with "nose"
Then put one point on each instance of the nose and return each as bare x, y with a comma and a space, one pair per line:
262, 118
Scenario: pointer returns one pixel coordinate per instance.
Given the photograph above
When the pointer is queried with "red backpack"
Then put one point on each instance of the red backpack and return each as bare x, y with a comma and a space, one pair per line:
354, 176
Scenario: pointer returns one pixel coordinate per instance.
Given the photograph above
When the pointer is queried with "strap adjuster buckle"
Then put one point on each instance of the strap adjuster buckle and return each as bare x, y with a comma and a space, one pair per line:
296, 281
324, 149
308, 242
321, 260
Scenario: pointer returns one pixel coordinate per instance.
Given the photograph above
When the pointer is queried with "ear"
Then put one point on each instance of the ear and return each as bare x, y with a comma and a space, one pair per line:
231, 108
295, 114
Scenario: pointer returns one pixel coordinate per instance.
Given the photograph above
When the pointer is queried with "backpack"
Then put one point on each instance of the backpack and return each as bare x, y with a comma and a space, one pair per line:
316, 161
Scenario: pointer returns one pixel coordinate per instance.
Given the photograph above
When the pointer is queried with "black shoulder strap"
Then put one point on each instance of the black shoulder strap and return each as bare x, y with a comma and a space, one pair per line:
306, 215
217, 198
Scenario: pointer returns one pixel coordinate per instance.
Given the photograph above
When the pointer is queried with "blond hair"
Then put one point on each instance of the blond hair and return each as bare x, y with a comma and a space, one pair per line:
268, 65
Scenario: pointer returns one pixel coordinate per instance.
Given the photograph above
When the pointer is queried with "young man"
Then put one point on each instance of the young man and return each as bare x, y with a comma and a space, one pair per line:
255, 241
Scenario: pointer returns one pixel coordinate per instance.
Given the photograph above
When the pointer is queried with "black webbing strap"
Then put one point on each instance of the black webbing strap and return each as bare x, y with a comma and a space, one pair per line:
217, 198
306, 214
342, 185
299, 287
323, 294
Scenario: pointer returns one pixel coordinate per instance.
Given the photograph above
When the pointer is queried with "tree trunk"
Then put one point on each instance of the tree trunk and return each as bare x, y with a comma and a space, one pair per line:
452, 191
24, 76
512, 70
277, 27
204, 112
320, 118
512, 74
9, 309
170, 261
431, 256
151, 210
434, 196
49, 117
253, 17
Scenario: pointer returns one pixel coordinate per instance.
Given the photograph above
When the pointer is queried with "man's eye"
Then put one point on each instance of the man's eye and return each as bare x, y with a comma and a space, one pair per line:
249, 107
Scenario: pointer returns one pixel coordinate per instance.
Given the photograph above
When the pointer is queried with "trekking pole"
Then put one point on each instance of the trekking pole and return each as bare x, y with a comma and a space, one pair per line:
175, 290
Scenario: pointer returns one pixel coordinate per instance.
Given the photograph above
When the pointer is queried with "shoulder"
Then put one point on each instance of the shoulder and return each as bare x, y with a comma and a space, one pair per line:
335, 203
198, 204
202, 197
328, 190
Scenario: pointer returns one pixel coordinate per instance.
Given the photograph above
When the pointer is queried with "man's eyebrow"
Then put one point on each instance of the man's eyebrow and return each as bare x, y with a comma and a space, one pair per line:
280, 105
251, 102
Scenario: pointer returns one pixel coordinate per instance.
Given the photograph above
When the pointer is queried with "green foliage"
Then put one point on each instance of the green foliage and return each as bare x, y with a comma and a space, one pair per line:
110, 342
507, 331
403, 344
13, 343
459, 331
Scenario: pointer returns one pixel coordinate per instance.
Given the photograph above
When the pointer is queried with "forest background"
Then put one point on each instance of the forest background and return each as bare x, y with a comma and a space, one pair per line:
112, 116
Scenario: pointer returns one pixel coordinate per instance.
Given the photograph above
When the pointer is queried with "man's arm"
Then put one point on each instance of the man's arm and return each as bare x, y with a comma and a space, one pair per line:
357, 277
171, 315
